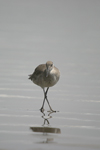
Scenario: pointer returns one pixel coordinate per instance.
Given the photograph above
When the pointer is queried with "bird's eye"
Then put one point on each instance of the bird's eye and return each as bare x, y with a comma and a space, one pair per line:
51, 65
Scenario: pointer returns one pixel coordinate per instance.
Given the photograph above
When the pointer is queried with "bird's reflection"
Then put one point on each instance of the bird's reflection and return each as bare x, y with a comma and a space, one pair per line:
46, 127
47, 117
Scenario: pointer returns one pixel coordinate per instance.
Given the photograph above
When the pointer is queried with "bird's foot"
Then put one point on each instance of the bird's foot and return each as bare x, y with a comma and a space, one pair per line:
52, 111
42, 110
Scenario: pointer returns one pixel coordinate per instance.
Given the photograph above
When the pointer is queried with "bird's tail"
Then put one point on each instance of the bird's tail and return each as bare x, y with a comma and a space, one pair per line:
30, 76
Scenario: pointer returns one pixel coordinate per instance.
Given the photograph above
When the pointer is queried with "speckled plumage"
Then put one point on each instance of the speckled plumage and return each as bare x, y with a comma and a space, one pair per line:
39, 75
45, 75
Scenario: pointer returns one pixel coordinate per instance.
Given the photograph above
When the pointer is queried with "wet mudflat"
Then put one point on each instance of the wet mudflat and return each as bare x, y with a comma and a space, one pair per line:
32, 33
78, 117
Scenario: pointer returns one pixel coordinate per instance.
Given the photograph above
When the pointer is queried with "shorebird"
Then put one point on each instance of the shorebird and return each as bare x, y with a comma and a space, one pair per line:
45, 76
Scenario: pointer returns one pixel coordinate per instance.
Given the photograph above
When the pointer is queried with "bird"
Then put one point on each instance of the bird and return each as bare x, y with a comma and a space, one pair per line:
45, 76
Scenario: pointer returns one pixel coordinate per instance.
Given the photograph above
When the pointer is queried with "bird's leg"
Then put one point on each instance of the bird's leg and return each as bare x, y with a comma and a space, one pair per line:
50, 106
42, 108
46, 92
45, 97
48, 101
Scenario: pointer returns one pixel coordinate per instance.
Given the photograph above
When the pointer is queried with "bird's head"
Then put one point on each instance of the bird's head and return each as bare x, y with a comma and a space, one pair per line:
49, 67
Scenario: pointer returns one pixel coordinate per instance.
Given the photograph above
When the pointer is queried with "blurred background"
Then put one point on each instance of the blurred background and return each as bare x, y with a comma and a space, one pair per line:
66, 32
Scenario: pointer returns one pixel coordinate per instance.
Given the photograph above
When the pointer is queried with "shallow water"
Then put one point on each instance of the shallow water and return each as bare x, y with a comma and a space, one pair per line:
71, 40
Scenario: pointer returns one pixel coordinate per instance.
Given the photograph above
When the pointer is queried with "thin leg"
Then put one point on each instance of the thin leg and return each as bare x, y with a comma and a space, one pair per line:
50, 106
46, 92
45, 97
42, 110
48, 101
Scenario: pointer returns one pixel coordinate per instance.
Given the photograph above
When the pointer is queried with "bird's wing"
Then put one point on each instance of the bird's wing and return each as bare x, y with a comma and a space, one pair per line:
39, 70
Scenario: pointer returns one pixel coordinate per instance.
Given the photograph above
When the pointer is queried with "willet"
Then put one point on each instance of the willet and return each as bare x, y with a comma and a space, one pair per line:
45, 76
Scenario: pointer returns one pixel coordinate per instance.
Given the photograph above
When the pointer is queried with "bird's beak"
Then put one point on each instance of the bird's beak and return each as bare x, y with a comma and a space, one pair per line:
47, 71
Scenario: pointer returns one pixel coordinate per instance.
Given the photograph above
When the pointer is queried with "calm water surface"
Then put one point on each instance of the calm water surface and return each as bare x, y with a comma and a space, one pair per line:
69, 36
78, 105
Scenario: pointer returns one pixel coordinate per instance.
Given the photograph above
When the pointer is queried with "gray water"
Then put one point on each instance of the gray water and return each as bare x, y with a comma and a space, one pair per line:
67, 33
